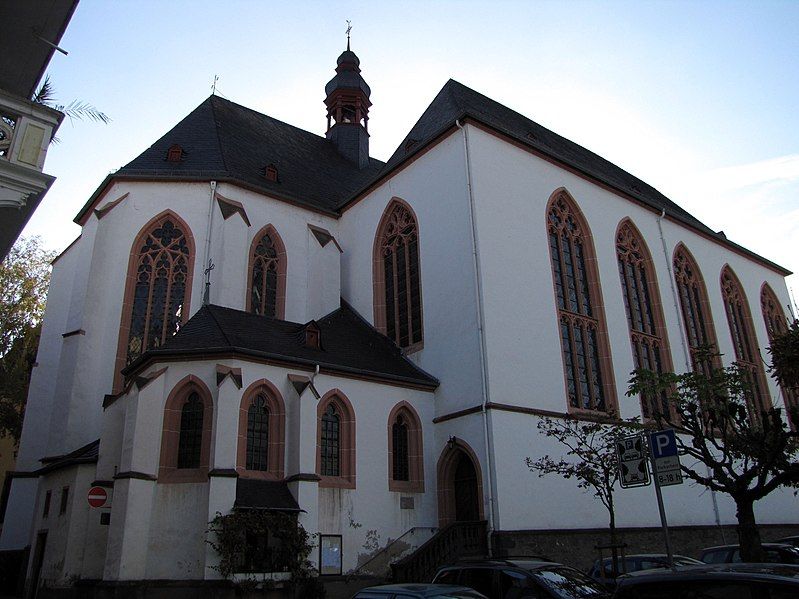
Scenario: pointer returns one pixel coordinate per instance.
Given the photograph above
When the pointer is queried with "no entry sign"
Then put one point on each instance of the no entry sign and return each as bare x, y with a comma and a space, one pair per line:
97, 497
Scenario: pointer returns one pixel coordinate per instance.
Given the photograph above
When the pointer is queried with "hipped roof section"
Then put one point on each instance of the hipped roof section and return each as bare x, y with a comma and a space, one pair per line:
350, 346
226, 142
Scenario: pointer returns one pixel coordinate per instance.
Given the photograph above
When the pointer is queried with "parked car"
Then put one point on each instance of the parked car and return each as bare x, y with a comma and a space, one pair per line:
418, 591
775, 553
712, 581
522, 579
635, 563
789, 541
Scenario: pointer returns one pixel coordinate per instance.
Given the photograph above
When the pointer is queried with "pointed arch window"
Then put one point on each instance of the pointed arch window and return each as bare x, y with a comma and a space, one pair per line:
258, 434
586, 359
162, 264
747, 352
331, 442
266, 293
644, 312
397, 279
191, 432
695, 309
777, 324
405, 452
186, 434
336, 441
262, 432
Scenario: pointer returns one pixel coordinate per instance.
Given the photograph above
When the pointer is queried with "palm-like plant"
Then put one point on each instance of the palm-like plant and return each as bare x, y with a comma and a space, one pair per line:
75, 110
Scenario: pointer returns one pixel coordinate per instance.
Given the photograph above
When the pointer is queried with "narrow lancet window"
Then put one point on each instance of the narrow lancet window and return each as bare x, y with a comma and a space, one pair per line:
160, 290
580, 322
643, 308
397, 278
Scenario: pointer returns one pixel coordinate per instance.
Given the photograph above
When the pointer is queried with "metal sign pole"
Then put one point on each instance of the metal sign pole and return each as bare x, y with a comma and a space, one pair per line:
662, 511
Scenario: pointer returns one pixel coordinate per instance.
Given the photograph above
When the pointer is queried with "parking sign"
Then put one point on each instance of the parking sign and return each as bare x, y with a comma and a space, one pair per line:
665, 458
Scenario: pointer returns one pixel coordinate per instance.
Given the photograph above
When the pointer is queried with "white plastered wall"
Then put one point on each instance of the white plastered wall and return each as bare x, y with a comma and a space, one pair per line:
435, 188
512, 188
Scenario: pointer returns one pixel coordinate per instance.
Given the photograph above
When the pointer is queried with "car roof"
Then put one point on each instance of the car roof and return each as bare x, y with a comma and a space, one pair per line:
526, 563
647, 556
425, 590
736, 546
783, 572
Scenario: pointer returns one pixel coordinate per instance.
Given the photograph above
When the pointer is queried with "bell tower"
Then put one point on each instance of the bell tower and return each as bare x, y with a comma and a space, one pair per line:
348, 105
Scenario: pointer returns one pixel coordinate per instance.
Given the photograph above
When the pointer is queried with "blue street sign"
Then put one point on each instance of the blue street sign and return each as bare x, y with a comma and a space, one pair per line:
663, 444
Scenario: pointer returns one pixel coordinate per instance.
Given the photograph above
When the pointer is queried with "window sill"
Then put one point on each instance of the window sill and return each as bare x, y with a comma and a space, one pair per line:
183, 475
336, 482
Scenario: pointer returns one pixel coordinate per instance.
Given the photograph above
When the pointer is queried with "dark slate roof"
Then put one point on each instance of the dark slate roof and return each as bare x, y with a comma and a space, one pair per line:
455, 101
265, 495
225, 141
349, 345
83, 455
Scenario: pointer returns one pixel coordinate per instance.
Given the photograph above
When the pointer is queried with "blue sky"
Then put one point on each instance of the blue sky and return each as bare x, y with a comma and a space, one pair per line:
698, 99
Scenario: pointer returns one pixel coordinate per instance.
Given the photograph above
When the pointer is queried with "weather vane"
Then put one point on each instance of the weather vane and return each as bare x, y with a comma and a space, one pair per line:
349, 28
213, 85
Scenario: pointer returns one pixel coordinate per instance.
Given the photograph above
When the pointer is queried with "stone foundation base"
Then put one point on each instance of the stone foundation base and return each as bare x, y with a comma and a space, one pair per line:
577, 548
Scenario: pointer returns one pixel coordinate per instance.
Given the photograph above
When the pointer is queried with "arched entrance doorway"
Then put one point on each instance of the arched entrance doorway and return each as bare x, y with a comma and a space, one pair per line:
460, 484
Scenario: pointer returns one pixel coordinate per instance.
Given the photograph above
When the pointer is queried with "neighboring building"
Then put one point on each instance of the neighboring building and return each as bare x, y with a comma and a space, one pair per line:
378, 341
29, 34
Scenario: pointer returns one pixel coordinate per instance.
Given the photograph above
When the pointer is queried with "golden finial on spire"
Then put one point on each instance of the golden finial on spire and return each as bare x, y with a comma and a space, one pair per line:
349, 28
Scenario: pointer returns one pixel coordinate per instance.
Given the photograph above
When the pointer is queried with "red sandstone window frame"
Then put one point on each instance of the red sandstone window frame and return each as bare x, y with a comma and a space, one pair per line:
379, 283
130, 287
282, 264
743, 337
698, 308
777, 324
574, 319
168, 472
276, 436
346, 477
652, 332
415, 482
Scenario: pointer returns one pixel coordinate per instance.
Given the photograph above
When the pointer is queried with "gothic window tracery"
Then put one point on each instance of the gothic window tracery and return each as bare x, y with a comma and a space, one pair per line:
644, 316
580, 330
397, 277
160, 291
267, 274
747, 353
695, 309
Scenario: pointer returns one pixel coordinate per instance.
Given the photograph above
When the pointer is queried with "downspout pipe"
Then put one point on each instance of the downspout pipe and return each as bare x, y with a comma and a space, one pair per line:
207, 256
478, 279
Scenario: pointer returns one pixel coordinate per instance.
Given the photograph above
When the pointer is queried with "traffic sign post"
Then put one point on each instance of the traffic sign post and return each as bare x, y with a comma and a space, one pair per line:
97, 496
633, 471
665, 461
666, 469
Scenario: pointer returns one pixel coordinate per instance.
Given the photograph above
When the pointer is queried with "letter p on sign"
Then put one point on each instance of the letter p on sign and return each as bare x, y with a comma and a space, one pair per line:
663, 444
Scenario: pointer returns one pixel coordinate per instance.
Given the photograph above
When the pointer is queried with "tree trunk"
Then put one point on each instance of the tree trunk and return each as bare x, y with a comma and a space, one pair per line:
614, 541
748, 533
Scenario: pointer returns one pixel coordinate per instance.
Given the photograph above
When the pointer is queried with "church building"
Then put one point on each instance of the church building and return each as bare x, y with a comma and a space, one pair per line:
258, 317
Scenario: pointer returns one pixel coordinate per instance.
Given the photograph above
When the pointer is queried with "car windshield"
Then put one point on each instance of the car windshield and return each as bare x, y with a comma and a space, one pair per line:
566, 583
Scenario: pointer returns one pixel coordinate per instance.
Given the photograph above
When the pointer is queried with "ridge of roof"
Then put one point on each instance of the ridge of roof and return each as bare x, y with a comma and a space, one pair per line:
210, 100
456, 101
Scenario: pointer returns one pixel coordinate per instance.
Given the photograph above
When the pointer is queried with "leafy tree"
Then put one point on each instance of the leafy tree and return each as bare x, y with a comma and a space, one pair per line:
784, 352
24, 279
730, 448
590, 459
